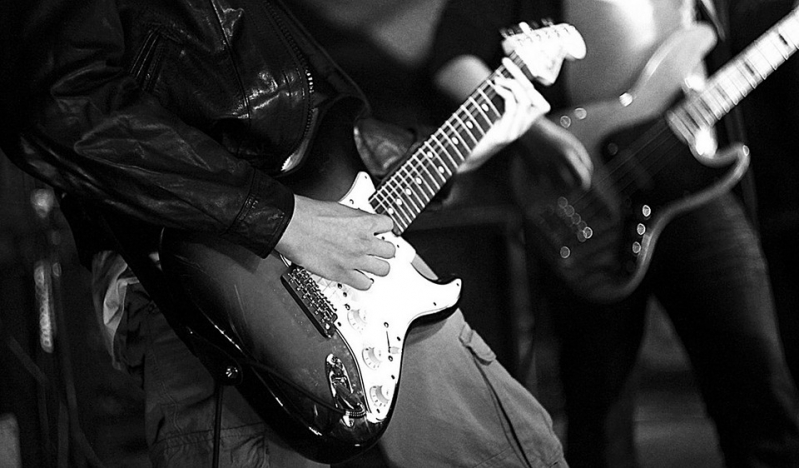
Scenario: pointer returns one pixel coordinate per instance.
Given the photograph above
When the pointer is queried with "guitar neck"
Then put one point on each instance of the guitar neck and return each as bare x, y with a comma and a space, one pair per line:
737, 79
411, 187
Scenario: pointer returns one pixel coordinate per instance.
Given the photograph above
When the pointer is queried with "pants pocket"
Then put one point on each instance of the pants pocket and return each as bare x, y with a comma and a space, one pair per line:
527, 424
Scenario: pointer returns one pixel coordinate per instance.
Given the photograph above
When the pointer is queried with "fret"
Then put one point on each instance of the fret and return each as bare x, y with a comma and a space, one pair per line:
733, 83
457, 141
746, 81
759, 61
749, 65
426, 188
407, 214
699, 116
419, 203
504, 72
768, 58
716, 102
726, 98
423, 186
439, 164
466, 129
488, 106
389, 200
479, 117
386, 200
779, 51
736, 79
706, 110
417, 199
395, 215
453, 157
772, 58
406, 197
790, 32
428, 164
391, 186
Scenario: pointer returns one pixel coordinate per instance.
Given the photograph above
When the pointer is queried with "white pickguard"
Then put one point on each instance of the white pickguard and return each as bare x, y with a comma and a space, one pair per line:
374, 322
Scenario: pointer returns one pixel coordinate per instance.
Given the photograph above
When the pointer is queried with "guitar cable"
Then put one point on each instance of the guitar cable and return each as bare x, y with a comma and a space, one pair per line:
285, 380
219, 393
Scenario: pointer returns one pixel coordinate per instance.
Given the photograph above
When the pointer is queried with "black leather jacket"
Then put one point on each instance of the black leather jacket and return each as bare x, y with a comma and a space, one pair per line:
174, 112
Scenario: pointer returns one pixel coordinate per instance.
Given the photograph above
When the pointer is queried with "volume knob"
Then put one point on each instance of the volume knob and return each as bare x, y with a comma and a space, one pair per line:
382, 394
373, 357
357, 318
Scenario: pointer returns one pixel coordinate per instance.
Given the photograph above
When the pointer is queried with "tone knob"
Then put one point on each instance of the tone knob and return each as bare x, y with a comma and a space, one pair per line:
382, 394
373, 357
357, 318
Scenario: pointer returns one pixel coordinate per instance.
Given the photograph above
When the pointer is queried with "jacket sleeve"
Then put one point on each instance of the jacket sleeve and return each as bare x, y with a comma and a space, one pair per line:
82, 124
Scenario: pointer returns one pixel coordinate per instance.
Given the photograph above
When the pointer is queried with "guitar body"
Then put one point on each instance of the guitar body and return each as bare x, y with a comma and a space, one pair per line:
600, 240
320, 361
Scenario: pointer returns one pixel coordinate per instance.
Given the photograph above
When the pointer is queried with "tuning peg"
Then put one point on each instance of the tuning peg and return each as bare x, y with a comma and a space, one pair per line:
505, 33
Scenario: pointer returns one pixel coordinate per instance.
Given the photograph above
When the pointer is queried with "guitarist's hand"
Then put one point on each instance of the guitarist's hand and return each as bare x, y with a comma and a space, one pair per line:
550, 145
337, 242
523, 106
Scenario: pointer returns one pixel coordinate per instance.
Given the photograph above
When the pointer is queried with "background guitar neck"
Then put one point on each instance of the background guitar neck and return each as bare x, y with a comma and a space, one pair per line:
738, 78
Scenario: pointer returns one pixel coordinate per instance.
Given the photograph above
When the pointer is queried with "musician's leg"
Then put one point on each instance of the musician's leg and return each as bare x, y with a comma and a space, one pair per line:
180, 399
598, 350
722, 309
771, 116
457, 406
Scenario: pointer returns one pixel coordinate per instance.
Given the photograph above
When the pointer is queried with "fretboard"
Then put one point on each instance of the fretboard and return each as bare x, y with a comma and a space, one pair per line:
411, 187
738, 78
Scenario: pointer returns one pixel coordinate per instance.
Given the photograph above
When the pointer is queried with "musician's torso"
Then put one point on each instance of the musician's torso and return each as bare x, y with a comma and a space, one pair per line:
620, 36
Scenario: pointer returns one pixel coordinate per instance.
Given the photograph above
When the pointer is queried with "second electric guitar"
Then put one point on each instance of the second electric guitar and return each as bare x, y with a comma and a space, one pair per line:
650, 165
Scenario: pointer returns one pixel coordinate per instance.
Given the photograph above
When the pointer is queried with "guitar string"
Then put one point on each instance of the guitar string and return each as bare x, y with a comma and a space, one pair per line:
390, 196
617, 174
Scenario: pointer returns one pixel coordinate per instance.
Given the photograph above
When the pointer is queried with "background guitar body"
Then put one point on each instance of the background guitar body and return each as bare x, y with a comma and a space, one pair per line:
657, 87
600, 240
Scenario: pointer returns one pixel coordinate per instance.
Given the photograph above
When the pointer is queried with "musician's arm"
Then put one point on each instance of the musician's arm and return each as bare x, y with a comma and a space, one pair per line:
461, 75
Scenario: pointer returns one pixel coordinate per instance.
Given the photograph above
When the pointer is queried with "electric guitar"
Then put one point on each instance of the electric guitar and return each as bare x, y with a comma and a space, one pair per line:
653, 161
319, 360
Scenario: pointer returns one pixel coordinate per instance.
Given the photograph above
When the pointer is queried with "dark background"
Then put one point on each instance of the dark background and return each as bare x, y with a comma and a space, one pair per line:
71, 407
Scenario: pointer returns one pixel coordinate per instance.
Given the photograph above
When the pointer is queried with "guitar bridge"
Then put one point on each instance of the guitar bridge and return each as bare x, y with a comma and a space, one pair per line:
311, 299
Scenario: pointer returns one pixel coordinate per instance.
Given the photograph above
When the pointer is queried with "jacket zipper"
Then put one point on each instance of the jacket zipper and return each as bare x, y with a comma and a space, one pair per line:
144, 64
302, 64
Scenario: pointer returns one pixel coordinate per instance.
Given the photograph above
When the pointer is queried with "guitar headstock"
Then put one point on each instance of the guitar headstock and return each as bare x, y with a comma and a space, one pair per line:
544, 49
